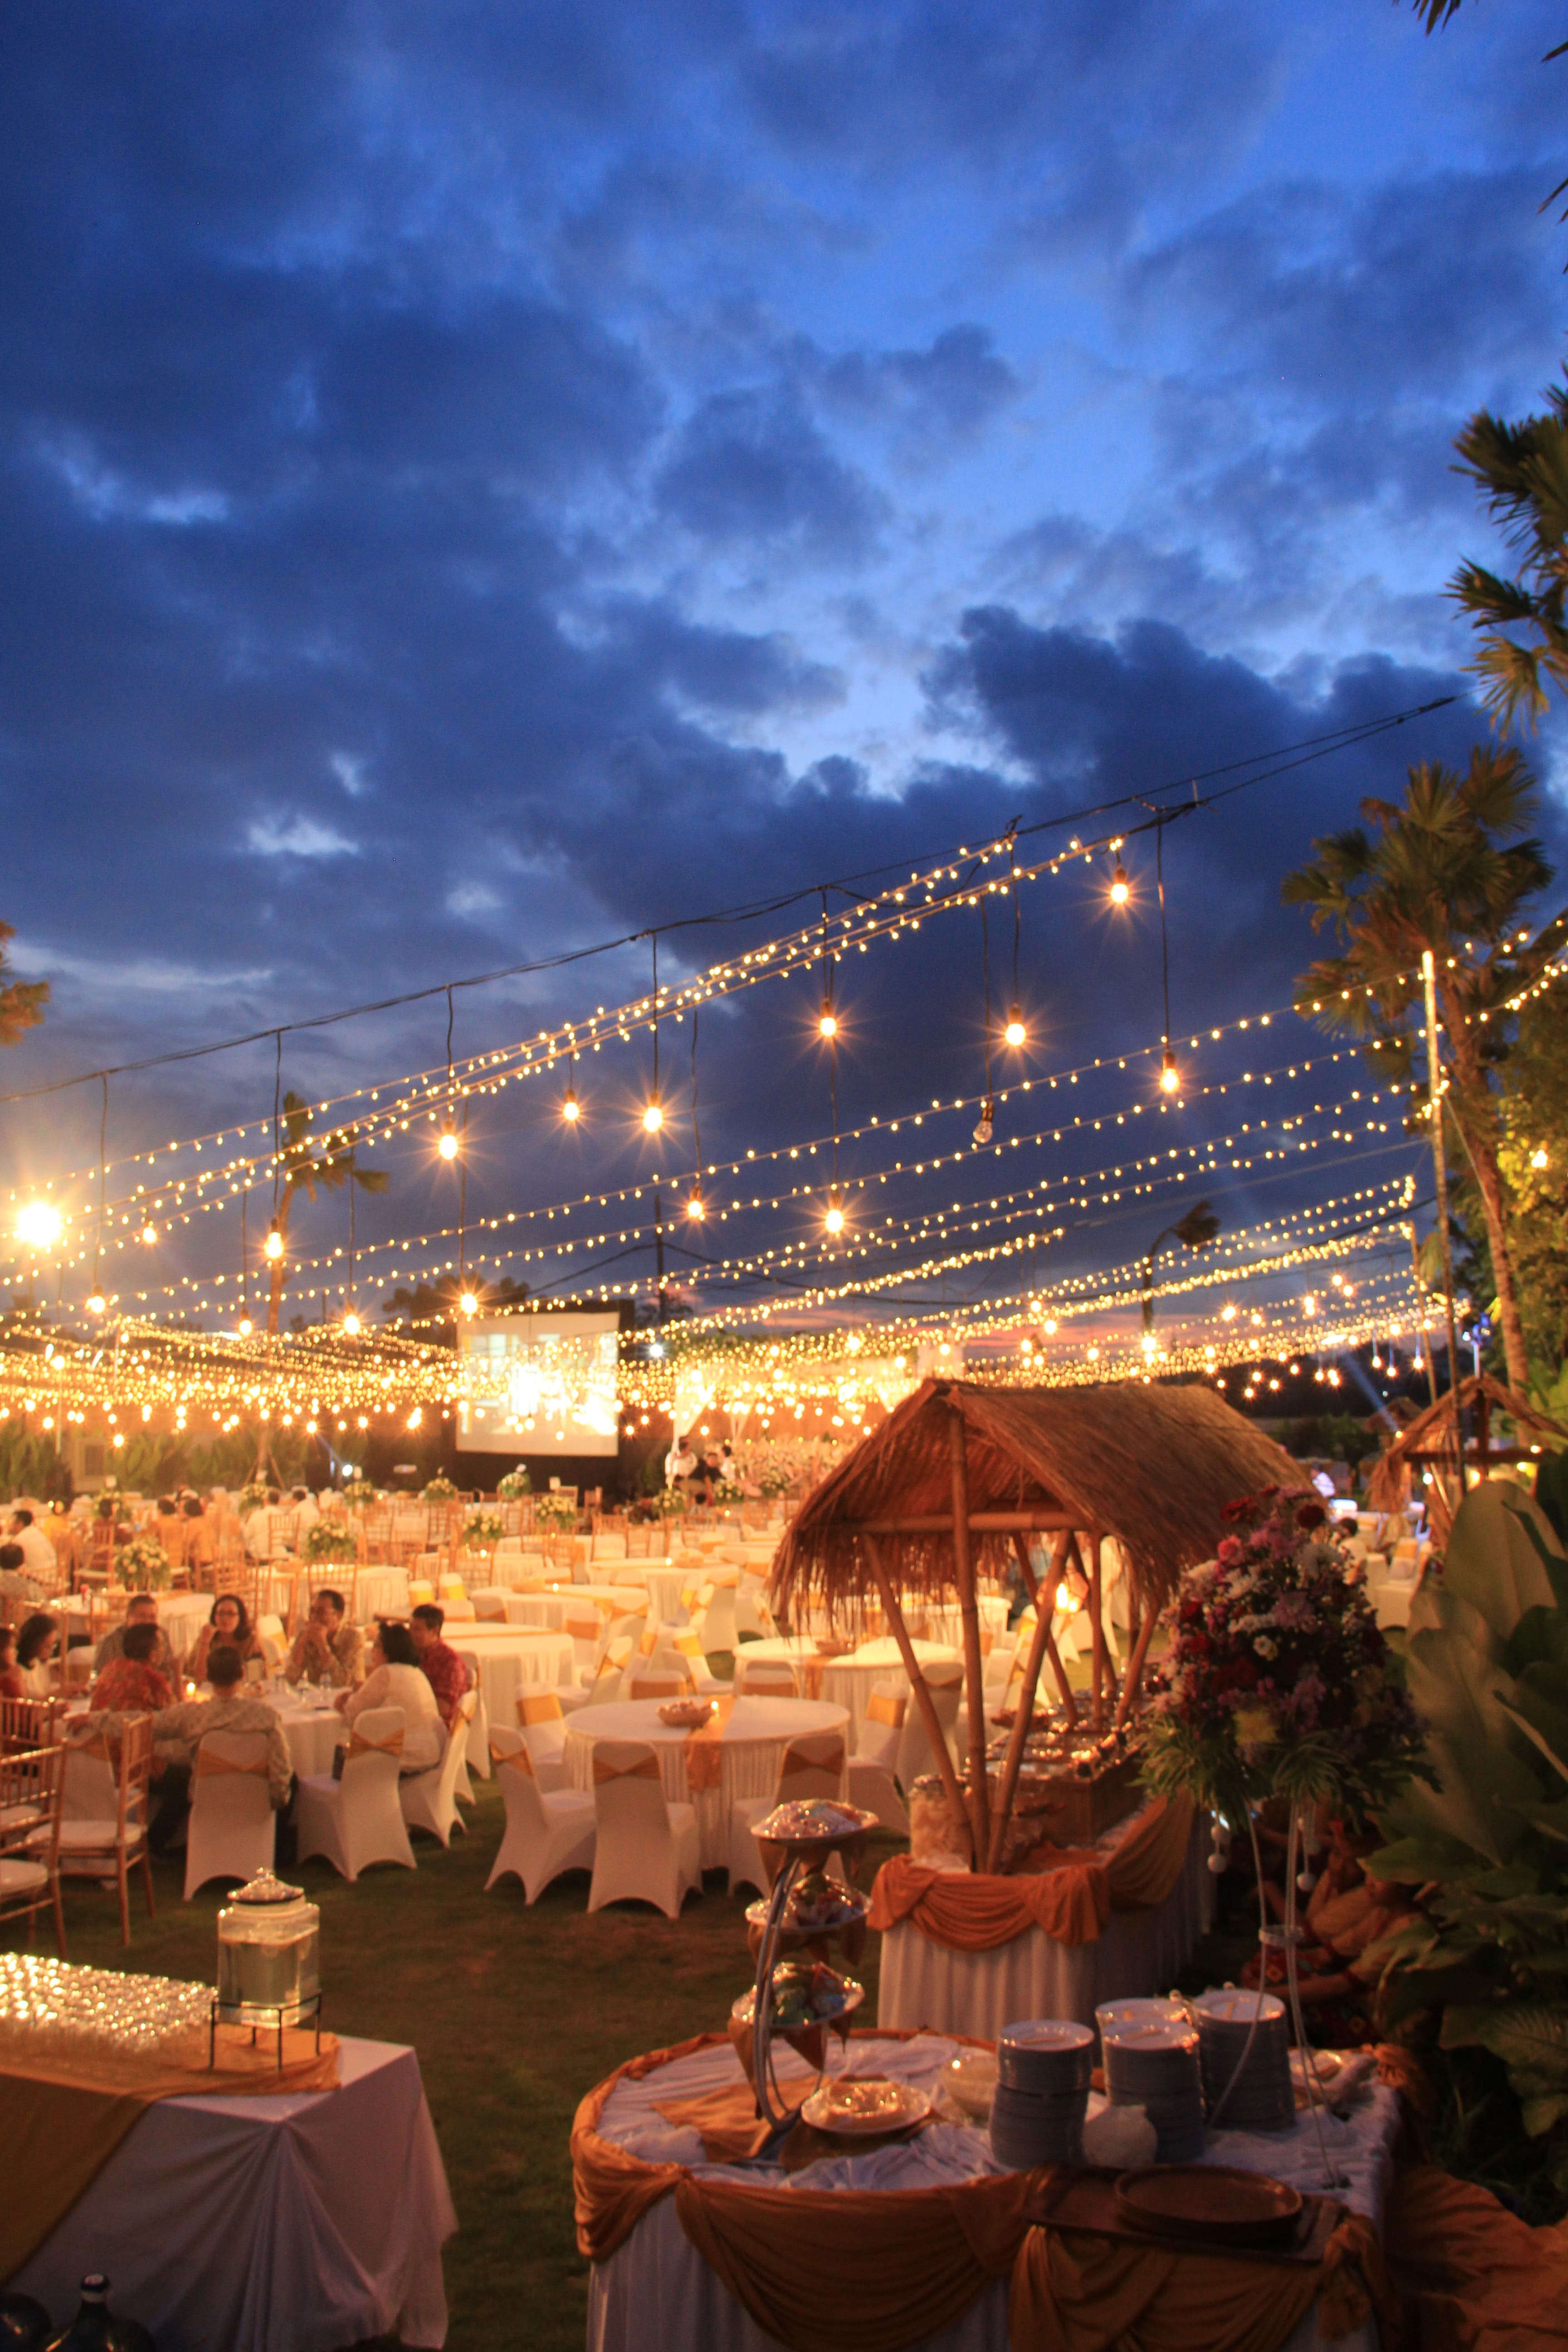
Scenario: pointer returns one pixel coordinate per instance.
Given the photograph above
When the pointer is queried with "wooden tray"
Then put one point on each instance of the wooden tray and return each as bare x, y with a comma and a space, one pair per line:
1083, 2197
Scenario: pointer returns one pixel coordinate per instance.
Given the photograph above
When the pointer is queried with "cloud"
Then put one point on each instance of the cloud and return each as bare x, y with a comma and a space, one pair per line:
752, 469
296, 836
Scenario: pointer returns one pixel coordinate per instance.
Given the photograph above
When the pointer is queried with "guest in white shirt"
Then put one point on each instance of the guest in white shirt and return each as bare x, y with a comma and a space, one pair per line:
307, 1510
679, 1462
395, 1679
37, 1644
38, 1551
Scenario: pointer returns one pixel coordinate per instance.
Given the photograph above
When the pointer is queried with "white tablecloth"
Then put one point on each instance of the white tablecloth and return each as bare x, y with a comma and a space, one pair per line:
924, 1983
512, 1658
847, 1680
312, 1734
750, 1749
380, 1592
665, 1586
182, 1616
544, 1609
656, 2294
269, 2225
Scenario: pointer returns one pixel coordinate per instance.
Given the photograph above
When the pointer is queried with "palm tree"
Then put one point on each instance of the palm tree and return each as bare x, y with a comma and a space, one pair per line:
1447, 869
1523, 471
302, 1171
21, 1001
1195, 1232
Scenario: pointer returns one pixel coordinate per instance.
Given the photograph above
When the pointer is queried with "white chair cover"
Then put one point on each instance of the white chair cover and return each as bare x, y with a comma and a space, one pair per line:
230, 1833
872, 1784
945, 1683
357, 1820
646, 1851
766, 1677
429, 1799
543, 1726
546, 1833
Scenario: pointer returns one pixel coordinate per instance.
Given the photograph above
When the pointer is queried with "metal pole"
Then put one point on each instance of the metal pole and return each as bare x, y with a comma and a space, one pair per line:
1440, 1176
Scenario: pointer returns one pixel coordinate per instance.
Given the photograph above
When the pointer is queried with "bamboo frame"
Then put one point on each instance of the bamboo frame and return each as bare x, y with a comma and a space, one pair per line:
922, 1697
1010, 1770
1135, 1668
1041, 1521
973, 1664
1046, 1612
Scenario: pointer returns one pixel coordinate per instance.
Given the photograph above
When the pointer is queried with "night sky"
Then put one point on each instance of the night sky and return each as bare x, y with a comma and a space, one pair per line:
476, 481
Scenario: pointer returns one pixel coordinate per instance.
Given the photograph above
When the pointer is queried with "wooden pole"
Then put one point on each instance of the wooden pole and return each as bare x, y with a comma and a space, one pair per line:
1135, 1665
1045, 1609
1097, 1628
922, 1697
973, 1664
1020, 1734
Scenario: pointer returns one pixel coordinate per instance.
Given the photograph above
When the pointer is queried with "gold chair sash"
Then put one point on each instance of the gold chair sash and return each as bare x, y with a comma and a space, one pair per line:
538, 1707
519, 1762
209, 1766
647, 1770
880, 1709
360, 1746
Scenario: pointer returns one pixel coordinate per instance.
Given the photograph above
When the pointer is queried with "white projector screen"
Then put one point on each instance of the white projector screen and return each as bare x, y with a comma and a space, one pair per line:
539, 1384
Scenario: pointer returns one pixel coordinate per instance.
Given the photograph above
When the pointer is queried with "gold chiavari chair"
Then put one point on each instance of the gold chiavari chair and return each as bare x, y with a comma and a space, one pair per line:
32, 1783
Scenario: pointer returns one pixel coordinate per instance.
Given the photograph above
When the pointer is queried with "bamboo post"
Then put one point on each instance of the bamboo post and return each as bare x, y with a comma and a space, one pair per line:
1045, 1609
922, 1697
1135, 1664
1020, 1734
1097, 1628
973, 1664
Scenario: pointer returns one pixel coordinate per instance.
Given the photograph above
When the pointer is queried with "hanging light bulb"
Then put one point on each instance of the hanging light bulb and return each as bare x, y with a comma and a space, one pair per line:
351, 1324
986, 1125
697, 1208
827, 1024
1121, 889
571, 1108
653, 1116
834, 1220
149, 1234
273, 1244
448, 1146
246, 1327
468, 1303
1169, 1080
1015, 1033
40, 1224
96, 1303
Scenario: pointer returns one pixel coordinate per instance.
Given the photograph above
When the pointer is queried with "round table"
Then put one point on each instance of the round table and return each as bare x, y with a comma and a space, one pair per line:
312, 1733
544, 1609
846, 1680
750, 1749
512, 1658
381, 1591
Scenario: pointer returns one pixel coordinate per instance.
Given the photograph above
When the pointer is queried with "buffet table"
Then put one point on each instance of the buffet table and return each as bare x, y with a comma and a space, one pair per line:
690, 2252
750, 1749
968, 1953
295, 2224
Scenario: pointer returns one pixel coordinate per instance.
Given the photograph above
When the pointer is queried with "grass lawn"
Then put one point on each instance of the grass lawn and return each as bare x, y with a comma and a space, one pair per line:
514, 2013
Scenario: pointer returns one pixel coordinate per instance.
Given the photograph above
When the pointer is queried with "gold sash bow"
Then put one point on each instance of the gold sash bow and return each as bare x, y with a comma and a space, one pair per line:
647, 1770
538, 1707
882, 1709
360, 1746
209, 1765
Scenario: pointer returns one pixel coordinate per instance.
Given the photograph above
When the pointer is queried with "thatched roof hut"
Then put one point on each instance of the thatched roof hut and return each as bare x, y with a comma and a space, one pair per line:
1433, 1441
1154, 1466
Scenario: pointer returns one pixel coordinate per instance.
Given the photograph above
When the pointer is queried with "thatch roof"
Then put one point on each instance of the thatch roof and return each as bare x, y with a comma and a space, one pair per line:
1433, 1433
1154, 1466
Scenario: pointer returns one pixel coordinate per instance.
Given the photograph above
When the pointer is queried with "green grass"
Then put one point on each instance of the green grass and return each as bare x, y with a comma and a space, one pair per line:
515, 2014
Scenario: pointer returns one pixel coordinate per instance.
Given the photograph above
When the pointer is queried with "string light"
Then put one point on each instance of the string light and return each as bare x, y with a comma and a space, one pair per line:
272, 1247
1016, 1033
470, 1303
1169, 1078
834, 1220
1121, 889
351, 1324
40, 1224
447, 1144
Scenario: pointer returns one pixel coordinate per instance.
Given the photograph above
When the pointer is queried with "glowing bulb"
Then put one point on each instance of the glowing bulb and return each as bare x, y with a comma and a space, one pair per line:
1014, 1032
1121, 889
40, 1223
273, 1244
1150, 1343
470, 1303
246, 1327
828, 1023
653, 1116
448, 1146
571, 1108
696, 1208
414, 1418
1538, 1158
96, 1303
149, 1233
1169, 1081
351, 1324
834, 1220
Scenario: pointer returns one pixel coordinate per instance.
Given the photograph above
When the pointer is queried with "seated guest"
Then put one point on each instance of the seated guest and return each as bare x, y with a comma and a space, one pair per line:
327, 1647
395, 1680
141, 1609
307, 1511
38, 1551
444, 1670
178, 1729
131, 1684
11, 1683
37, 1646
257, 1525
228, 1627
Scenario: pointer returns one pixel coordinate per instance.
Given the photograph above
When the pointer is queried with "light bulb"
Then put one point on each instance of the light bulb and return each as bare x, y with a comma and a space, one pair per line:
39, 1224
1169, 1081
96, 1303
149, 1233
985, 1127
697, 1208
448, 1146
571, 1108
351, 1324
1121, 889
246, 1327
468, 1303
273, 1244
1538, 1158
828, 1023
834, 1217
1014, 1032
653, 1116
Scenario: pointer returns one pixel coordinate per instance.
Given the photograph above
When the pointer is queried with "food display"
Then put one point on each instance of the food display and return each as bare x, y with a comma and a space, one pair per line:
862, 2106
805, 1993
686, 1714
813, 1821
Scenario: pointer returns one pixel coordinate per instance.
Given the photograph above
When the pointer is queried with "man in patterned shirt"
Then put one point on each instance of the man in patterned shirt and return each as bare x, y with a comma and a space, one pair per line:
328, 1648
131, 1682
444, 1670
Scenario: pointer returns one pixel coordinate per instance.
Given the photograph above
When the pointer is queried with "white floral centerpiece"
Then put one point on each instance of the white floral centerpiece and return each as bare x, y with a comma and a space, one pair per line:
144, 1565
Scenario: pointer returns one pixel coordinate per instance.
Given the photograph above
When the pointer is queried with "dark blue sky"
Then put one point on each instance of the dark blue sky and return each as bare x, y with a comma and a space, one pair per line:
482, 478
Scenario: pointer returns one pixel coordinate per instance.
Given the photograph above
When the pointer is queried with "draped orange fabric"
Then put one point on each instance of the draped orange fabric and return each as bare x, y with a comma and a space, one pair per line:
646, 1769
1071, 1900
539, 1707
701, 1748
1480, 2279
209, 1765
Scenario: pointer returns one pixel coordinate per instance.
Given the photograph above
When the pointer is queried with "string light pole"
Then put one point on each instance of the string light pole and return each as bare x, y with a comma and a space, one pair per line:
1435, 1087
96, 1301
1169, 1078
652, 1124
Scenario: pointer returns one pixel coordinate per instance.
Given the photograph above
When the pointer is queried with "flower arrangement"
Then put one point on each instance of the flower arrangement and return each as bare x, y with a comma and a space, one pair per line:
144, 1565
729, 1491
773, 1479
481, 1529
329, 1539
440, 1490
555, 1509
669, 1501
1278, 1682
514, 1485
111, 1506
252, 1496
